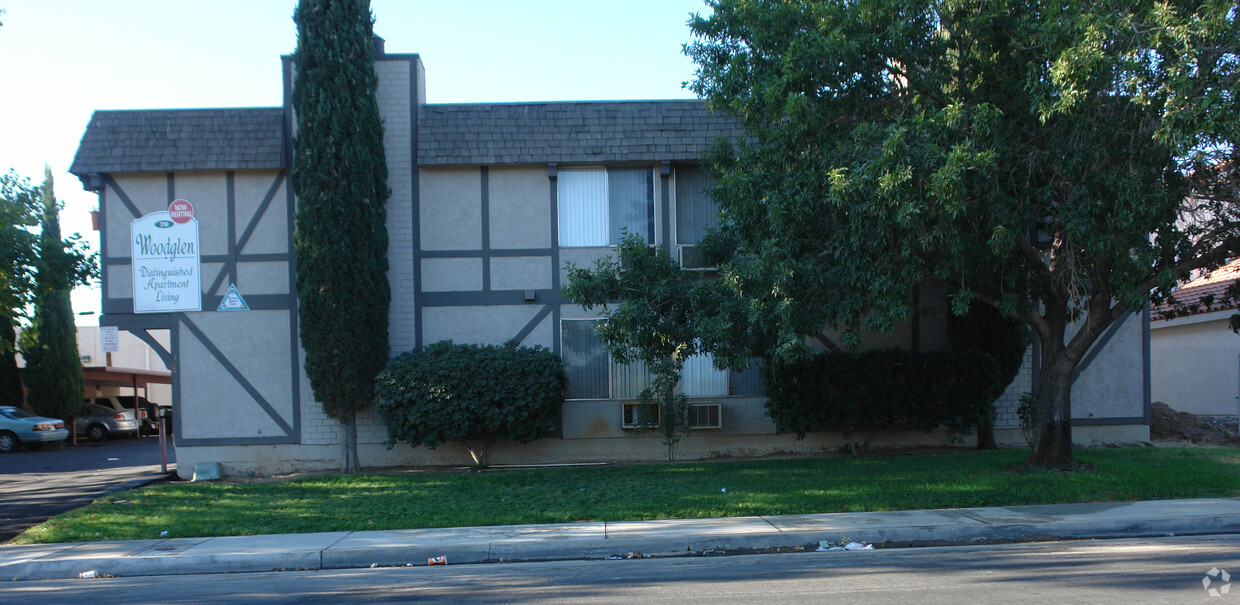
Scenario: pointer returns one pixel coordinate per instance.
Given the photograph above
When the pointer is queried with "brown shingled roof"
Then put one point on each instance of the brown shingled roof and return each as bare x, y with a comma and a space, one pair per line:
181, 139
448, 134
582, 131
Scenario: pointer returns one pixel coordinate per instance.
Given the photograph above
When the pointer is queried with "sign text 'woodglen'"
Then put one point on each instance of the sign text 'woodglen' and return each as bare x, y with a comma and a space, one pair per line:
166, 261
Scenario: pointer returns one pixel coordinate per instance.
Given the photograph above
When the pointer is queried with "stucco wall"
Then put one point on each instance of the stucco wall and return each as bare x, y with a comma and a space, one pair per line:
1112, 384
215, 403
519, 207
451, 209
1196, 364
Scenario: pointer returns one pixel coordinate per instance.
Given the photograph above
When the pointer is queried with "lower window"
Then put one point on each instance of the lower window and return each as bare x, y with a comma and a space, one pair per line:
593, 375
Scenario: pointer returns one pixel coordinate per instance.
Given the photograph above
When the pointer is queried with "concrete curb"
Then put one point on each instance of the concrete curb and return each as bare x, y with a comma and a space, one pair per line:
335, 550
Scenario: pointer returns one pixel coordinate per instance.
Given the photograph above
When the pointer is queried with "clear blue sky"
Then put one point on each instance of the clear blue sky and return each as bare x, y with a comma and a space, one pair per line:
62, 59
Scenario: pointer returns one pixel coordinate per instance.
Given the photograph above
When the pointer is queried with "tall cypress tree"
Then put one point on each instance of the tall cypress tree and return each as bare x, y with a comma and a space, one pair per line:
340, 242
53, 371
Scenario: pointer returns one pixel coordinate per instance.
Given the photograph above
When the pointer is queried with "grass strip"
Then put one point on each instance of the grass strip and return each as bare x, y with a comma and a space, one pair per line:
638, 492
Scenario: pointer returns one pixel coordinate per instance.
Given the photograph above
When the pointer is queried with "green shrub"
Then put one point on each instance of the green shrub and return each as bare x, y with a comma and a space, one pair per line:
880, 390
984, 328
474, 394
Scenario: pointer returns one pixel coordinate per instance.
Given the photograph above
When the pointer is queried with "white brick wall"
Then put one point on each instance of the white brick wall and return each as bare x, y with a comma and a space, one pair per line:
398, 116
316, 427
1005, 406
319, 429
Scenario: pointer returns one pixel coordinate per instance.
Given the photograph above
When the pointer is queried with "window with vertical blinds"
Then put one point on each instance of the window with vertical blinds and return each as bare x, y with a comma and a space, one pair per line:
592, 374
699, 378
597, 205
585, 360
695, 211
582, 194
630, 198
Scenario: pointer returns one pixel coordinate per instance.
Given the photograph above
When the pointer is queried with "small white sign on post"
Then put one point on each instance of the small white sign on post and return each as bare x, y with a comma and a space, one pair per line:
108, 339
166, 276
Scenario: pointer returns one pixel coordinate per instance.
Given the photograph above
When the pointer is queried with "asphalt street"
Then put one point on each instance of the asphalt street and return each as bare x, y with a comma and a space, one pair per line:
36, 485
1159, 570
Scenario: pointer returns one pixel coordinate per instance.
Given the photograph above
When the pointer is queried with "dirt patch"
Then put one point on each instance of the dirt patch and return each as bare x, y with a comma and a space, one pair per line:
1170, 425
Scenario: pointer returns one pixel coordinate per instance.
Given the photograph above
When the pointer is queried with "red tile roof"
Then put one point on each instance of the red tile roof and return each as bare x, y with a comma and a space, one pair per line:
1214, 283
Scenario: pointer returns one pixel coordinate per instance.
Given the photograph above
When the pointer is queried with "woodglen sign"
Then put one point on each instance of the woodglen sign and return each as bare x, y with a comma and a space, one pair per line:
166, 261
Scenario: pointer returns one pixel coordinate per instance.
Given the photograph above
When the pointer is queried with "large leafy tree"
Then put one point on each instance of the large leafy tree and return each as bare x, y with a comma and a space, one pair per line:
340, 177
1064, 161
32, 268
53, 373
19, 251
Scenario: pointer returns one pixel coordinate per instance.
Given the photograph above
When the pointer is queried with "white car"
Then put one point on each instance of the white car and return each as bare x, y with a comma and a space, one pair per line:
19, 427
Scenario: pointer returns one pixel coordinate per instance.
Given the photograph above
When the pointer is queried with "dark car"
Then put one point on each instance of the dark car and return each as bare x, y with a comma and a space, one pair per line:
19, 427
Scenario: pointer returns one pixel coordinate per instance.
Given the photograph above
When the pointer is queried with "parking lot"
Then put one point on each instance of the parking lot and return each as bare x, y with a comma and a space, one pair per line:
36, 485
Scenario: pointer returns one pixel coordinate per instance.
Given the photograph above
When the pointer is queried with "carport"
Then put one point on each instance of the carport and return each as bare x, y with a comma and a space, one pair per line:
135, 378
108, 376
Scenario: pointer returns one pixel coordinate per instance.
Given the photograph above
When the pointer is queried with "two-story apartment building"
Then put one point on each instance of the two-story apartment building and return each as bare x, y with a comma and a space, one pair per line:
489, 203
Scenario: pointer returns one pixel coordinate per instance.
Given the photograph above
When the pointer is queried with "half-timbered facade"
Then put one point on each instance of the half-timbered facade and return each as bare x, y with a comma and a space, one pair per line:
489, 203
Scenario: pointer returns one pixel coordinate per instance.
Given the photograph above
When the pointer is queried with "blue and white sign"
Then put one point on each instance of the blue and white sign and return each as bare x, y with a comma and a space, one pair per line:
166, 262
232, 300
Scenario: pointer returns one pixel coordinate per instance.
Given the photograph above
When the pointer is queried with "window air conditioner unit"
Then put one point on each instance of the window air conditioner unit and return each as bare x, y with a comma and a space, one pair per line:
637, 415
706, 415
691, 260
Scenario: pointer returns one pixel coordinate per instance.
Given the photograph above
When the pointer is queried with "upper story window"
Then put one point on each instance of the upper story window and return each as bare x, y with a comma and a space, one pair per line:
597, 204
695, 211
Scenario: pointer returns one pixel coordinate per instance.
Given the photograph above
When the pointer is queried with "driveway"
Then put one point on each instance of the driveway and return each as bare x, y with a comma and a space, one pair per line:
35, 486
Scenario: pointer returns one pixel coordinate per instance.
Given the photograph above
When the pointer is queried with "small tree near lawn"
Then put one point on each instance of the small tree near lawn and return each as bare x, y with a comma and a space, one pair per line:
652, 310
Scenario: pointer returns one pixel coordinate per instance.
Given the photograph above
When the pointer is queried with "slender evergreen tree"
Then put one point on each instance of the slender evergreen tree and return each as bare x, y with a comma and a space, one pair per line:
340, 177
53, 371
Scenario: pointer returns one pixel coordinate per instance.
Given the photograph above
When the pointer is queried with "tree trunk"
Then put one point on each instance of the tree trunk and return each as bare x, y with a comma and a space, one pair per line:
1054, 415
986, 431
480, 451
349, 464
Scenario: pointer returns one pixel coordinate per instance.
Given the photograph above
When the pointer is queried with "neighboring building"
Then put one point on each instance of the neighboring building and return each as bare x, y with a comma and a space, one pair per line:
1196, 357
134, 369
489, 202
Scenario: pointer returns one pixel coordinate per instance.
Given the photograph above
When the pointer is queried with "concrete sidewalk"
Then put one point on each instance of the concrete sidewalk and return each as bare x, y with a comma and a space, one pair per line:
599, 540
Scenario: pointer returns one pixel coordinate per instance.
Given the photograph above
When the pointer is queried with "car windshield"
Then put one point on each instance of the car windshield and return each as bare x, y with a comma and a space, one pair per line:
16, 413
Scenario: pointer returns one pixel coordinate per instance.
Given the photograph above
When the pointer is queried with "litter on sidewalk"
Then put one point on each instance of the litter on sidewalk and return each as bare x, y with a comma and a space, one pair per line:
826, 546
92, 574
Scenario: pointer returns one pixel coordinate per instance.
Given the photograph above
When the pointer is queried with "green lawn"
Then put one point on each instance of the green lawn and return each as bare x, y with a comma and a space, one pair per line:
617, 493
